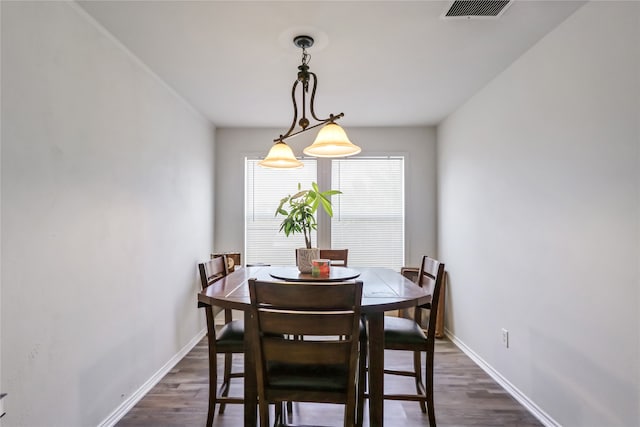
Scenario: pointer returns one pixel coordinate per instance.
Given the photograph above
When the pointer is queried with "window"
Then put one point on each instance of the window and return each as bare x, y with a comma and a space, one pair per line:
368, 217
264, 189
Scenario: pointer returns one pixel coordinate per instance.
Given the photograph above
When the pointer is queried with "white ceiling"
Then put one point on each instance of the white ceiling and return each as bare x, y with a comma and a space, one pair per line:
382, 63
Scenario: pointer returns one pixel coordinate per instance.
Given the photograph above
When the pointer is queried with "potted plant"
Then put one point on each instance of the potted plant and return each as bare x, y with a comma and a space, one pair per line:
299, 217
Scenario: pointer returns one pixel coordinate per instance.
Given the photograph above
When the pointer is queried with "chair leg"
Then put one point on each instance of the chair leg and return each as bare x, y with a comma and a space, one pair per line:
264, 413
362, 383
213, 385
226, 379
417, 369
429, 390
278, 421
350, 412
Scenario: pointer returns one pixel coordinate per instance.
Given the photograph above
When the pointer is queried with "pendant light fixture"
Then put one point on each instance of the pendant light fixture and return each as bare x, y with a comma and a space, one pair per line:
331, 141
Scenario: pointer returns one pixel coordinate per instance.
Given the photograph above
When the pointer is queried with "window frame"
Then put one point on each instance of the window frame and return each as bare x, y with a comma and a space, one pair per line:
323, 175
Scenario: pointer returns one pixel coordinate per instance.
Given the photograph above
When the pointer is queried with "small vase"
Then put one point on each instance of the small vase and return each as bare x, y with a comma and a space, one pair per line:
304, 258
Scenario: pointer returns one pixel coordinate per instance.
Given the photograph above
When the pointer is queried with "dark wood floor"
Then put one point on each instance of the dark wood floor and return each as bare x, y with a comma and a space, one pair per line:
464, 396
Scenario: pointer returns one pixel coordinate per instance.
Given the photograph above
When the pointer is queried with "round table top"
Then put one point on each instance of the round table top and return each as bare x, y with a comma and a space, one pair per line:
383, 289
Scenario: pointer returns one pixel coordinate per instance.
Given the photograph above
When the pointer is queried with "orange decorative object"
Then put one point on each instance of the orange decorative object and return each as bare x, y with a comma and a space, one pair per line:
320, 267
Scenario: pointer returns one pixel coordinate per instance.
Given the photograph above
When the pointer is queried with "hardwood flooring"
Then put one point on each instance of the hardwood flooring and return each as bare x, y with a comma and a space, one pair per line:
464, 396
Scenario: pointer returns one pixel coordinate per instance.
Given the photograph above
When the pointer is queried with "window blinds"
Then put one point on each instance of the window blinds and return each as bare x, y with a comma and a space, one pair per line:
368, 217
264, 189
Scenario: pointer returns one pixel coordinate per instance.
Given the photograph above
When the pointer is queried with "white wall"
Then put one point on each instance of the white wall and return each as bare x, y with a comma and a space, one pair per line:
539, 219
418, 143
107, 205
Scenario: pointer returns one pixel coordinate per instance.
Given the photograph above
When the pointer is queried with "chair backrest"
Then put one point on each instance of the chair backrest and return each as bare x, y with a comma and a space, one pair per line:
410, 273
213, 270
210, 272
338, 257
321, 312
234, 259
431, 275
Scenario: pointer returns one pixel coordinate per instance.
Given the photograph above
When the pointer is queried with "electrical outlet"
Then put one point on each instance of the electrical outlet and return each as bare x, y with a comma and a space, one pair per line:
505, 338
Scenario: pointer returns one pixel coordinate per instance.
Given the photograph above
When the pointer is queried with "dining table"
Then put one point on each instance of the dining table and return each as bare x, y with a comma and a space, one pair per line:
384, 289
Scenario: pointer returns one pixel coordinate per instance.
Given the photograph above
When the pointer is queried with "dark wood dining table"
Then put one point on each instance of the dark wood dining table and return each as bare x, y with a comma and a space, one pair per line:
383, 290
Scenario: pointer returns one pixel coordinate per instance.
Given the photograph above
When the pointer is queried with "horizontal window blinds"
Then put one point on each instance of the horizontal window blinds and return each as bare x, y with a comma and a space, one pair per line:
368, 216
264, 189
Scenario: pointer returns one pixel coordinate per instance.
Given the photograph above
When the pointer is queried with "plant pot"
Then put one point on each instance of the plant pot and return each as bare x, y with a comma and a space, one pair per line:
304, 258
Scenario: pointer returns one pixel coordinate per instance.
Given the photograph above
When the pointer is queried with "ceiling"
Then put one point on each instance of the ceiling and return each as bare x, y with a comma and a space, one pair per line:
382, 63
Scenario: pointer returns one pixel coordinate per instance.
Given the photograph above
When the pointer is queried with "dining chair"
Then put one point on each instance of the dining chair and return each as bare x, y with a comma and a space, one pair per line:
338, 257
402, 333
321, 368
227, 341
411, 273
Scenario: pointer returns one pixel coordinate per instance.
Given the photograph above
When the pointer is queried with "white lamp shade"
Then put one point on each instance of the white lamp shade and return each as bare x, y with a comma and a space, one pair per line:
332, 141
281, 157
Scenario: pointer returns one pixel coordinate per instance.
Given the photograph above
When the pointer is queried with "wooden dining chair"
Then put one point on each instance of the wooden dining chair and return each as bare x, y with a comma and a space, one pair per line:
402, 333
321, 368
227, 341
338, 257
411, 273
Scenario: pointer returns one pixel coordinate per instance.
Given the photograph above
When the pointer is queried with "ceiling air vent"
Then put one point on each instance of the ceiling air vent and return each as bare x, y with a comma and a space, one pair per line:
476, 8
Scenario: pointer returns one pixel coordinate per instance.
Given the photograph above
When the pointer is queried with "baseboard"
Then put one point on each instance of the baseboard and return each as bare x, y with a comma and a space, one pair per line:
535, 410
121, 410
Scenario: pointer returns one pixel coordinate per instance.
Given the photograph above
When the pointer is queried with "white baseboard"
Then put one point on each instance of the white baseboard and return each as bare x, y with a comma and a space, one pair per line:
121, 410
535, 410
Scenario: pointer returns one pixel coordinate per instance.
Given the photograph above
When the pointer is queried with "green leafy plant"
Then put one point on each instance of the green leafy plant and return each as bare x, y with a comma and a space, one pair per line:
299, 210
